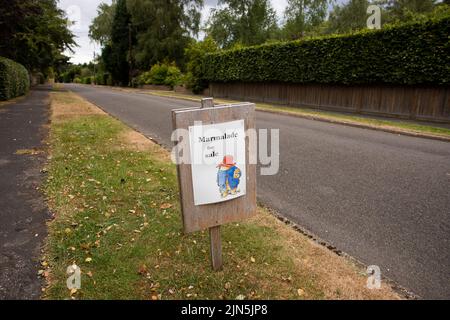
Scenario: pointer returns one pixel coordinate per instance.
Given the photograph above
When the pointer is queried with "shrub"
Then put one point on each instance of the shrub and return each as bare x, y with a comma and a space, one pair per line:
14, 79
144, 78
158, 74
65, 77
161, 74
87, 80
85, 72
173, 77
109, 80
101, 78
409, 54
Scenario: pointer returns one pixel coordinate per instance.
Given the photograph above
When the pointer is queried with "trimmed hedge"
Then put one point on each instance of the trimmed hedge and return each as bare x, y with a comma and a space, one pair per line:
14, 79
410, 54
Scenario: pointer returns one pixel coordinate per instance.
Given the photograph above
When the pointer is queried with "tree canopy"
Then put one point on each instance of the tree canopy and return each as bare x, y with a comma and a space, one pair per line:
303, 16
101, 28
116, 55
242, 22
401, 10
160, 31
352, 16
164, 29
34, 33
349, 17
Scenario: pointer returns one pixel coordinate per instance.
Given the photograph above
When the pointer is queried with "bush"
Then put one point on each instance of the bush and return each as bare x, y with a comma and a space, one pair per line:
109, 80
158, 74
101, 78
87, 80
173, 77
14, 79
410, 54
161, 74
65, 77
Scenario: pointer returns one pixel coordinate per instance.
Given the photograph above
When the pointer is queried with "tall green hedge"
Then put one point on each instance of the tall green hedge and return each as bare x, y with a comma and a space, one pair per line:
14, 79
416, 53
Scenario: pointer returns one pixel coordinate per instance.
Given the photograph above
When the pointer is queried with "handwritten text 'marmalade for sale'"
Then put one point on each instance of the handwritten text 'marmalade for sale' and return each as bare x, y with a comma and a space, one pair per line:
233, 135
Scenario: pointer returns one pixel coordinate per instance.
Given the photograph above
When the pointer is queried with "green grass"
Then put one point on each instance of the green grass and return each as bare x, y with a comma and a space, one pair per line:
414, 127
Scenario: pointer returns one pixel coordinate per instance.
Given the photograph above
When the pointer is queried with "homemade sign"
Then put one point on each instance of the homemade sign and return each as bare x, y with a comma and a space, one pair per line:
217, 181
218, 168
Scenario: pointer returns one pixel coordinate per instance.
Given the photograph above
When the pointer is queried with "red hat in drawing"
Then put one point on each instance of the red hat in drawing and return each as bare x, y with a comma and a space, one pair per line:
228, 161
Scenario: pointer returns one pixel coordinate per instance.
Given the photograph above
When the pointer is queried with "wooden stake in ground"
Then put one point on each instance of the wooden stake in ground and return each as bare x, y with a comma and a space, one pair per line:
198, 215
207, 103
214, 232
215, 248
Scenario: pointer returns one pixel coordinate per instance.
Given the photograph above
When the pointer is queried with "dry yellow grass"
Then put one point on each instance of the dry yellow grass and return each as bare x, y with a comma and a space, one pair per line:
28, 152
133, 140
67, 105
338, 277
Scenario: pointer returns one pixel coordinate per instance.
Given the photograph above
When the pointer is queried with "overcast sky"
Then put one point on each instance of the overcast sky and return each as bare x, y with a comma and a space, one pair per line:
83, 11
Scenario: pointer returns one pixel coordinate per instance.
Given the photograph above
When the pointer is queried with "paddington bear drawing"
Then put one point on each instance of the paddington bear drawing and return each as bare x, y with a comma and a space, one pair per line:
228, 177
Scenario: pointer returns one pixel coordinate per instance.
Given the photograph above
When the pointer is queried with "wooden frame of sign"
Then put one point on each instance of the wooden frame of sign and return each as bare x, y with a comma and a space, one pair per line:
212, 216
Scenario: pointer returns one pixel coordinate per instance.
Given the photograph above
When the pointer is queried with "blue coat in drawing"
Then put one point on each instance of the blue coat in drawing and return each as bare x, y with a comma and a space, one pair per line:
228, 177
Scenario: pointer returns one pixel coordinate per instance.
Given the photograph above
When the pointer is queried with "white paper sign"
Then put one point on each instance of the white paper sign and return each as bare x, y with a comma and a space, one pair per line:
218, 161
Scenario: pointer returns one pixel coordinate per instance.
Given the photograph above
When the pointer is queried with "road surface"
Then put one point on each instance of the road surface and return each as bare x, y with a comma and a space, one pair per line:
382, 198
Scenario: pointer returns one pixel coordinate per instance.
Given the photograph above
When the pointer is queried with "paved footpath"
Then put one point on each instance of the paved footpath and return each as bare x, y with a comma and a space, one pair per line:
23, 213
380, 197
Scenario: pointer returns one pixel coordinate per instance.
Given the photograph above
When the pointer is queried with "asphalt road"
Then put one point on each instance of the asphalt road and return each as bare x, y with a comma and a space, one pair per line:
23, 212
382, 198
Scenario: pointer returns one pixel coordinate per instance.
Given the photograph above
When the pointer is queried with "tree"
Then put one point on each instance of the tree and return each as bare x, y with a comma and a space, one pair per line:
60, 65
34, 33
353, 15
303, 16
101, 28
164, 29
116, 54
244, 22
404, 10
195, 54
348, 17
69, 73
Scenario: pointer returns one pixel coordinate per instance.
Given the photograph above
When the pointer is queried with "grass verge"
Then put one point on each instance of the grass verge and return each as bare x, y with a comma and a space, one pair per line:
114, 196
392, 125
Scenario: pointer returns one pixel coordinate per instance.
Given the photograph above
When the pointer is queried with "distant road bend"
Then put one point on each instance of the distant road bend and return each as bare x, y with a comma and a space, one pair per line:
382, 198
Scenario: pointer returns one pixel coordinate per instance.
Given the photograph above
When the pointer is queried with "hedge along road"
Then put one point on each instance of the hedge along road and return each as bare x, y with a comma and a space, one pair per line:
382, 198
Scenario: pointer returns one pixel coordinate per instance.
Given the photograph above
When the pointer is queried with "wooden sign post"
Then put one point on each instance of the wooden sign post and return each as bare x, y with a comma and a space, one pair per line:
215, 247
217, 183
